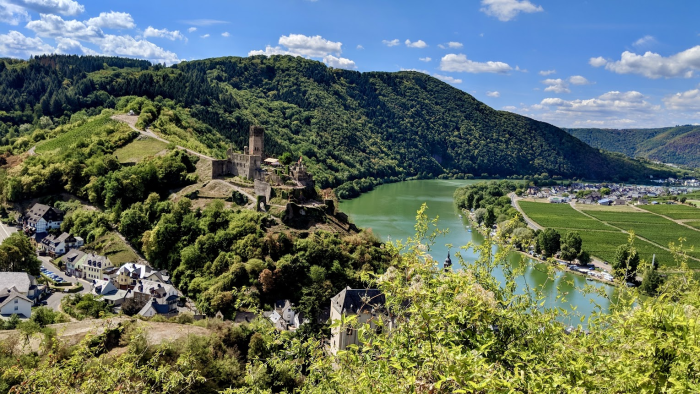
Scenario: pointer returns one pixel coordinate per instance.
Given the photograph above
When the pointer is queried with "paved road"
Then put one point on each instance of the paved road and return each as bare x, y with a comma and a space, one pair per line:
6, 231
529, 221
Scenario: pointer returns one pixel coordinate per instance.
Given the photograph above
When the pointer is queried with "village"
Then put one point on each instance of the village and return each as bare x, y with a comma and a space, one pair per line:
607, 193
135, 288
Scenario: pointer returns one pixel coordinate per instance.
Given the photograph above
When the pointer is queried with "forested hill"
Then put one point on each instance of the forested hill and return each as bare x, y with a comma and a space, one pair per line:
348, 125
678, 145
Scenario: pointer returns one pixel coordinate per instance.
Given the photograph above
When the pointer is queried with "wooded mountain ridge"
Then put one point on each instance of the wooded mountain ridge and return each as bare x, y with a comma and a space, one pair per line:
354, 129
677, 145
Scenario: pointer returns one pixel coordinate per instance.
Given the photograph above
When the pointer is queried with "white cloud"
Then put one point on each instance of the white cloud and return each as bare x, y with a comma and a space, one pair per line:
544, 73
425, 59
339, 62
129, 46
225, 34
522, 70
645, 41
506, 10
416, 70
112, 20
684, 101
307, 46
13, 14
556, 85
612, 109
270, 50
416, 44
205, 35
460, 63
315, 46
163, 33
495, 94
391, 43
509, 108
72, 46
192, 29
360, 47
652, 65
578, 80
55, 26
63, 7
447, 78
455, 44
204, 22
16, 44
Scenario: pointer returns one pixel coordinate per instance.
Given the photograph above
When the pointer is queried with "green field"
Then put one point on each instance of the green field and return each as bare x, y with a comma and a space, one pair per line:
139, 149
674, 211
560, 216
114, 248
695, 224
602, 240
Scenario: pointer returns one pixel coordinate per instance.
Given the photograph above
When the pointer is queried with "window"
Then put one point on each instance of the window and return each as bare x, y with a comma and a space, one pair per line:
16, 301
16, 307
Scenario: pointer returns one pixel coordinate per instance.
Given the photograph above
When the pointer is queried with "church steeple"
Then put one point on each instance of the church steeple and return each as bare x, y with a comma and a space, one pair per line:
448, 262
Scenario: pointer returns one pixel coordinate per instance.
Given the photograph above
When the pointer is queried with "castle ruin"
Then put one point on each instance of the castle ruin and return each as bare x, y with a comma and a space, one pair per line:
241, 164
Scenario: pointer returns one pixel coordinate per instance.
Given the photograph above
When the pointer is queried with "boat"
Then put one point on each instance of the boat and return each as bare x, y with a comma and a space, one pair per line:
460, 216
469, 230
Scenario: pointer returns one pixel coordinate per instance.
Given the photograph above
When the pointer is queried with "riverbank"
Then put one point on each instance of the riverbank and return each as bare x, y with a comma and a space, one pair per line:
560, 265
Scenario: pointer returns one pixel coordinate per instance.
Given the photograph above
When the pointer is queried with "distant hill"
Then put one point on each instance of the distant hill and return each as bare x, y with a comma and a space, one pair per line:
352, 128
678, 145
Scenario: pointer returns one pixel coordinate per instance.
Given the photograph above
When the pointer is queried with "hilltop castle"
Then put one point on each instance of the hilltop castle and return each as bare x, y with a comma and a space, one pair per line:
242, 164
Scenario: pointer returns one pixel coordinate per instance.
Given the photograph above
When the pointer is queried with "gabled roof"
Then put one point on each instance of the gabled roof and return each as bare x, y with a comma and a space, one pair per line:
141, 271
39, 211
21, 281
7, 295
358, 300
73, 256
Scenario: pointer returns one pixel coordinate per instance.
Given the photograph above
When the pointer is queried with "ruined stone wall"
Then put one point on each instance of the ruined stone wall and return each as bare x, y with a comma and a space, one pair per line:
263, 189
256, 141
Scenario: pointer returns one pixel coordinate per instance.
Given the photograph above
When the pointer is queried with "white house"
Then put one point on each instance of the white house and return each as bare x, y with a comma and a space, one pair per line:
103, 287
59, 245
94, 267
13, 302
130, 273
158, 298
40, 218
366, 304
284, 317
21, 282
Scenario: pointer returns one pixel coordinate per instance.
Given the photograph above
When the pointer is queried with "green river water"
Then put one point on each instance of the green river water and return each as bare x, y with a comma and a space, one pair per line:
390, 211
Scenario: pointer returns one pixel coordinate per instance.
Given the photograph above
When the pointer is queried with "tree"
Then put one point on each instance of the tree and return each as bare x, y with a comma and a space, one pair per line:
480, 215
130, 306
605, 191
584, 258
548, 242
522, 236
18, 254
626, 261
267, 280
570, 246
286, 158
651, 281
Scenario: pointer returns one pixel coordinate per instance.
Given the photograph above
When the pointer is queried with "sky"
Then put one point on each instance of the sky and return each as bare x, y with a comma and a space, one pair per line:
603, 64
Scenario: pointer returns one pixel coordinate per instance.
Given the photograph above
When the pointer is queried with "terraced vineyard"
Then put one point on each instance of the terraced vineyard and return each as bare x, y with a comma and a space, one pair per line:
69, 135
560, 216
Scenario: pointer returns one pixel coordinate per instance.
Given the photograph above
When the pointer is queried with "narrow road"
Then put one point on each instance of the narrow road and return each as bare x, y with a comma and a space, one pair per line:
131, 121
637, 236
531, 223
6, 231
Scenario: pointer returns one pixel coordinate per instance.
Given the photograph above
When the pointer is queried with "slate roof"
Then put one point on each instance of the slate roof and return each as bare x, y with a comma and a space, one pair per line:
73, 256
39, 211
351, 301
7, 295
141, 271
19, 280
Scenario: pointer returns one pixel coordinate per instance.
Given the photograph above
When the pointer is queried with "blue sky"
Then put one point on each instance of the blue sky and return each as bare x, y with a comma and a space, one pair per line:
618, 64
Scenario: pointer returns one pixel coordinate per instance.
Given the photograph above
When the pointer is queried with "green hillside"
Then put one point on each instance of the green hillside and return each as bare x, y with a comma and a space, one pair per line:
354, 129
678, 145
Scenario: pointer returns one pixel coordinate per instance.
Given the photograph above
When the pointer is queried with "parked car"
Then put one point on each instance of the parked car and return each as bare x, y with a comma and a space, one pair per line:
44, 302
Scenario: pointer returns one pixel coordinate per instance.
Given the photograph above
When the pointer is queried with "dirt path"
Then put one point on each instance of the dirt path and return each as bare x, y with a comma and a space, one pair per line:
131, 121
573, 205
72, 333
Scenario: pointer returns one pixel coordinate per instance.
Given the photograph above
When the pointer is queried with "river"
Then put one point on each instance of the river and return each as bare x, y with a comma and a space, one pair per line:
390, 211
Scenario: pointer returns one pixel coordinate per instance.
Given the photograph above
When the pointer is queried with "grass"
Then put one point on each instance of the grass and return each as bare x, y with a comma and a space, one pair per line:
560, 216
607, 208
695, 224
674, 211
114, 248
603, 245
139, 149
602, 241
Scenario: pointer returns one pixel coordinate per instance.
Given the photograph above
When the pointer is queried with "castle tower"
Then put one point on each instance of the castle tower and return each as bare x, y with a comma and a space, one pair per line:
255, 144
